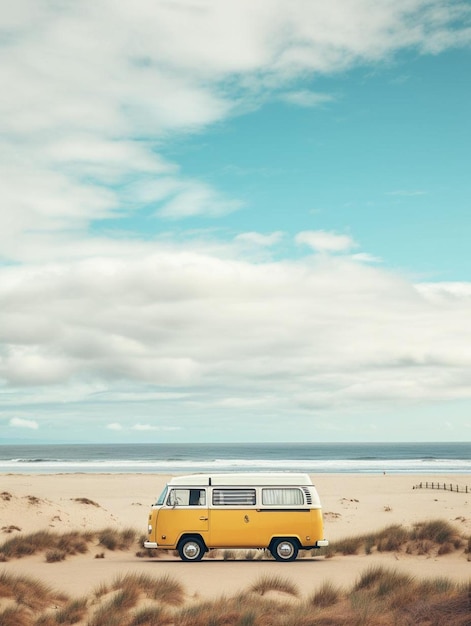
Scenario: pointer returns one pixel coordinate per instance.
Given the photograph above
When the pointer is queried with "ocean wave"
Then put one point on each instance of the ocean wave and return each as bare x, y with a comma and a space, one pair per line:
170, 466
37, 461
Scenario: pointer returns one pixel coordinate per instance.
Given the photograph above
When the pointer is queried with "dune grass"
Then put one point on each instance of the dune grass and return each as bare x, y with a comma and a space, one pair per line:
229, 555
436, 536
423, 538
382, 580
118, 602
28, 592
151, 616
274, 583
438, 531
164, 589
25, 545
53, 556
401, 599
114, 539
86, 501
15, 616
241, 610
58, 546
73, 612
327, 595
379, 597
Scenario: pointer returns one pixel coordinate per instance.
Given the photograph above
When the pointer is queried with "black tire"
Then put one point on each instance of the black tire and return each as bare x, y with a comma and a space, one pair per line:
284, 549
191, 549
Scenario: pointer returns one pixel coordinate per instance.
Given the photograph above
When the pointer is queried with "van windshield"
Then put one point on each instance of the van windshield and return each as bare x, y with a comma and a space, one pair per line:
163, 495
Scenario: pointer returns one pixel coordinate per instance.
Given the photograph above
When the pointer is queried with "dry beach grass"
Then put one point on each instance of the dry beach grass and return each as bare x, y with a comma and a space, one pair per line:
380, 596
71, 547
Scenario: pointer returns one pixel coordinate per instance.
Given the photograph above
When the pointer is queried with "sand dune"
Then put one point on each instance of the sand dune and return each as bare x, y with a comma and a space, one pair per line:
352, 504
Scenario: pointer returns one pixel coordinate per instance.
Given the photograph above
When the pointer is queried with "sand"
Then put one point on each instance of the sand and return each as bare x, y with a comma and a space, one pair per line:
352, 504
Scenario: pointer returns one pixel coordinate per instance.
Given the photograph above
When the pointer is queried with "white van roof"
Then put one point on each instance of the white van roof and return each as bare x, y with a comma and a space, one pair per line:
252, 478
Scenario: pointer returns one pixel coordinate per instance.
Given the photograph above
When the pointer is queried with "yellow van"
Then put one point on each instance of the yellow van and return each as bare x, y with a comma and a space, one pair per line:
278, 511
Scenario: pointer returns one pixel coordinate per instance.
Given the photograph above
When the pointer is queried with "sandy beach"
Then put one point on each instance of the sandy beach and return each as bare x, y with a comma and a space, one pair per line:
352, 505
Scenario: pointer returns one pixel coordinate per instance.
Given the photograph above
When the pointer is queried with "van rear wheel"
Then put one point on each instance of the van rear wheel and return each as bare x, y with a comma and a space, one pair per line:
191, 549
284, 549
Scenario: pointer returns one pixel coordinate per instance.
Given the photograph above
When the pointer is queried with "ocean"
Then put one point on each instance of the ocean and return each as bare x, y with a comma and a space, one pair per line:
365, 458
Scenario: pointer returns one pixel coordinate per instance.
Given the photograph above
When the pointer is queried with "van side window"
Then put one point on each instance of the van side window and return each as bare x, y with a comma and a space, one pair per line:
187, 497
282, 497
233, 497
197, 497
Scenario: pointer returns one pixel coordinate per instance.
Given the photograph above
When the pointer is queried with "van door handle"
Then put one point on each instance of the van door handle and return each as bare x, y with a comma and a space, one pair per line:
203, 519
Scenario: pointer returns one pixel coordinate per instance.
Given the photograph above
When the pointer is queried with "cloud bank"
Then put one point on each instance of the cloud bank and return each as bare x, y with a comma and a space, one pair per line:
310, 337
131, 332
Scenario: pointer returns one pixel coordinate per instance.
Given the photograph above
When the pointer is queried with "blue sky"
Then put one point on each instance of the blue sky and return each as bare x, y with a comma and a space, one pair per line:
235, 221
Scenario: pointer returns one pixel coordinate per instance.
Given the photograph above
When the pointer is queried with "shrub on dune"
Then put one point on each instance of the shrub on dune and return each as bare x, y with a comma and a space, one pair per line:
391, 538
383, 580
73, 612
27, 545
274, 583
28, 592
155, 616
114, 539
53, 556
438, 531
349, 545
164, 589
15, 616
327, 595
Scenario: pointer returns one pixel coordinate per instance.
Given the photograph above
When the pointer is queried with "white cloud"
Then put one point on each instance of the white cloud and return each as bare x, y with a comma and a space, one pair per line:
365, 257
260, 239
114, 426
150, 427
192, 198
194, 331
305, 98
17, 422
455, 291
111, 82
31, 364
322, 241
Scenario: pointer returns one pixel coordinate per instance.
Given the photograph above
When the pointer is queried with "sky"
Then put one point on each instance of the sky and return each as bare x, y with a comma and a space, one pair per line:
235, 220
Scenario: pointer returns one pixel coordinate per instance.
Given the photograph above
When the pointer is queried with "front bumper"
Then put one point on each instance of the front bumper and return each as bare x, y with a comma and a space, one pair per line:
322, 543
150, 544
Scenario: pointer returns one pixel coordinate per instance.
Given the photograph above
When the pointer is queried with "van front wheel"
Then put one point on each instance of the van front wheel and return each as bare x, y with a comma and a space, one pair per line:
284, 549
191, 549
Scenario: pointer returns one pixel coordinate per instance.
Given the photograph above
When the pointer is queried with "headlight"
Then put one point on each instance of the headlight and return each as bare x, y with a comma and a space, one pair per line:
149, 528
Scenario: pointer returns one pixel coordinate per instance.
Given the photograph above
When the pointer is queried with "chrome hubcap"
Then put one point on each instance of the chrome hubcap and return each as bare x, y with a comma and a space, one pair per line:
191, 550
285, 550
